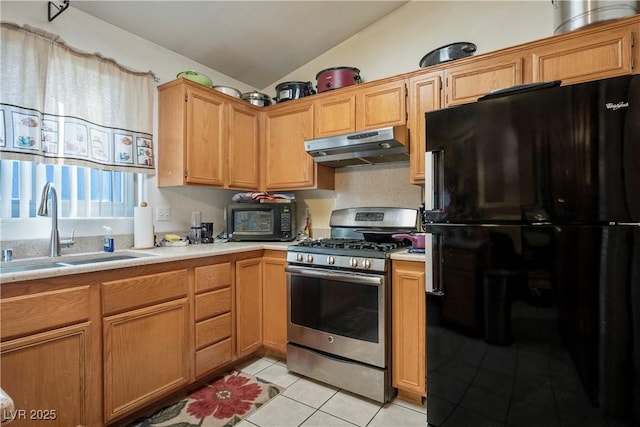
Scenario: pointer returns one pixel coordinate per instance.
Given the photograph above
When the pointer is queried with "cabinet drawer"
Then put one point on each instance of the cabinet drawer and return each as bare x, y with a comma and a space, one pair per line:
44, 311
213, 330
127, 294
213, 303
211, 277
212, 357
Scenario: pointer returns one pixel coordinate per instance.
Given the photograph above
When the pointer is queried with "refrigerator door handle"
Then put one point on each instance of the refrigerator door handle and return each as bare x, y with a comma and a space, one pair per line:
433, 278
434, 188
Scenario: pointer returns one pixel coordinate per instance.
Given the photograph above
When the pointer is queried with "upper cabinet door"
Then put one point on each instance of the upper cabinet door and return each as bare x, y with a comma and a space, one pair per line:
425, 94
205, 130
243, 147
335, 115
468, 82
287, 165
381, 105
585, 57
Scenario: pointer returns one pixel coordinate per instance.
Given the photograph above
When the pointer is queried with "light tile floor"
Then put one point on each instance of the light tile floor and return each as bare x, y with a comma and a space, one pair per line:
306, 402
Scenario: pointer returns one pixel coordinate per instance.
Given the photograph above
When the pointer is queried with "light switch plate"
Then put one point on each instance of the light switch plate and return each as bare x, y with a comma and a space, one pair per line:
163, 213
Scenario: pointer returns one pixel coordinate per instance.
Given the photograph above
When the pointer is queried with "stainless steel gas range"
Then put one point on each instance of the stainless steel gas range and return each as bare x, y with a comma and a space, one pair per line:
339, 300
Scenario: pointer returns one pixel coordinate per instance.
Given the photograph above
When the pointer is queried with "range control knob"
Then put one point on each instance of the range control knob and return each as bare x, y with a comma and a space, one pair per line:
366, 264
331, 260
353, 262
299, 257
309, 258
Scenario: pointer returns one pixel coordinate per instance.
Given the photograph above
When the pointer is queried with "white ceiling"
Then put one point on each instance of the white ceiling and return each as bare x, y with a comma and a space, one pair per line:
255, 42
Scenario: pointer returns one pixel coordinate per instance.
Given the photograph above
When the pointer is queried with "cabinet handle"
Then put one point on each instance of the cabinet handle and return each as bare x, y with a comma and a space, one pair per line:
633, 43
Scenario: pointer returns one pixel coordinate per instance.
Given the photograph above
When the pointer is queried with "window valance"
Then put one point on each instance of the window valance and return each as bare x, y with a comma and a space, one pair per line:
61, 105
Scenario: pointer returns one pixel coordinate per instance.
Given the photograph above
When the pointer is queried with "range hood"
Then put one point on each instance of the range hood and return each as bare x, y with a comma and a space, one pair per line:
385, 145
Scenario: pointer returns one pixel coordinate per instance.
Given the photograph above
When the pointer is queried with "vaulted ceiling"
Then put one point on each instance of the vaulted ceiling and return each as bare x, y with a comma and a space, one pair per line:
255, 42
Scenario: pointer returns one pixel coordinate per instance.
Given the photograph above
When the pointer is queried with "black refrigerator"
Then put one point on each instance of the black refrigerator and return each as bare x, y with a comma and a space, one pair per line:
533, 257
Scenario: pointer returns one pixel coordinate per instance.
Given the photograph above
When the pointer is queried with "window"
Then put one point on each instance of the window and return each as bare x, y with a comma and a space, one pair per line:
91, 136
82, 192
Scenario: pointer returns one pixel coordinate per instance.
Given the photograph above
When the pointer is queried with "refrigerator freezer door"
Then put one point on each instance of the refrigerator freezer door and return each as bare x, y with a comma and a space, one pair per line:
536, 325
567, 154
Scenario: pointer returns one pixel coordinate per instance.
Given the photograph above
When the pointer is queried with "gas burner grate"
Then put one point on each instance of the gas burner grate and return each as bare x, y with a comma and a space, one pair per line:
351, 244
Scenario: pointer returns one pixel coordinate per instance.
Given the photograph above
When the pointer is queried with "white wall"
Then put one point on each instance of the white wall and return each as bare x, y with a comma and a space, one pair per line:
392, 46
87, 33
396, 43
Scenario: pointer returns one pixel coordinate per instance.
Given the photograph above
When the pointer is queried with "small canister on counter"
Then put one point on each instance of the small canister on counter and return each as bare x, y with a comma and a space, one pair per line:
337, 77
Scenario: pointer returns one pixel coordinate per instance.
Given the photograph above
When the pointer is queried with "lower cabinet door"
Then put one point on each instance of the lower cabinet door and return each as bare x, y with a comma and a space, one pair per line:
409, 333
46, 376
146, 356
248, 306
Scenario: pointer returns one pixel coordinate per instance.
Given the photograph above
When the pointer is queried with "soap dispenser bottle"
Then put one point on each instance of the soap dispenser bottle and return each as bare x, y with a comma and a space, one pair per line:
108, 243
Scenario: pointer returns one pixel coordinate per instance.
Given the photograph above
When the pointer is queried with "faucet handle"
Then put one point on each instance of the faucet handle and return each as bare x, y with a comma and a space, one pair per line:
68, 243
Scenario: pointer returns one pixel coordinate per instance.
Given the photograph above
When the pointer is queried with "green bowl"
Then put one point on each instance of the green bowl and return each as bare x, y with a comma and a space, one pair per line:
196, 77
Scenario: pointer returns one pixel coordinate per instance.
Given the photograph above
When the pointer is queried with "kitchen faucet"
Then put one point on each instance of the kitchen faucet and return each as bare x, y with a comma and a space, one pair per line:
54, 242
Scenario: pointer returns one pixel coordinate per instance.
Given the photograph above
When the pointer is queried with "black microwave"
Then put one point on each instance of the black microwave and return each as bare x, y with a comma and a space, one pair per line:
261, 222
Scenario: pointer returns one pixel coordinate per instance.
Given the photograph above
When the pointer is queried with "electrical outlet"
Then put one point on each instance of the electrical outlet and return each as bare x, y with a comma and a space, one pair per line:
163, 213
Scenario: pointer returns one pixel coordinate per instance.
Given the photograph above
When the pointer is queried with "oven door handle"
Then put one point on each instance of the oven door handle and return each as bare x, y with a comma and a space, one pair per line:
362, 279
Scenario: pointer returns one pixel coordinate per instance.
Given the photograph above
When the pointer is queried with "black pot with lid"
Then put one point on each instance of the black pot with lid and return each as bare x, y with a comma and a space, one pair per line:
448, 53
293, 90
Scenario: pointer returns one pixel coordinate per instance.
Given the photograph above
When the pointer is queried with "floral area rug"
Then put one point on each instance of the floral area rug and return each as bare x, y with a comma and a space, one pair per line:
223, 402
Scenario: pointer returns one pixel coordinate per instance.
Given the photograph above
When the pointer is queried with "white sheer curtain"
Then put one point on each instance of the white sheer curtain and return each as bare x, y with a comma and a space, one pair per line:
68, 106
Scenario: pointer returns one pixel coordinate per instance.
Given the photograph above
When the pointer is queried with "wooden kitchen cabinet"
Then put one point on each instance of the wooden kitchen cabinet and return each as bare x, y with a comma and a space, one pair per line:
381, 105
191, 131
473, 79
213, 317
286, 164
206, 138
147, 340
425, 94
248, 306
274, 301
335, 114
585, 56
48, 358
243, 147
361, 107
409, 329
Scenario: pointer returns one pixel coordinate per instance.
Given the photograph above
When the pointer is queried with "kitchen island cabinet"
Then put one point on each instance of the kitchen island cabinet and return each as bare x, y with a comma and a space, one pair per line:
360, 108
49, 362
146, 340
286, 164
409, 329
206, 138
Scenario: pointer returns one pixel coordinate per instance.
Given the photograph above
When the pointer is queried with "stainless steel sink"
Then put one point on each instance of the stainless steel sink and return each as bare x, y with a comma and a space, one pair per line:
66, 261
101, 259
8, 268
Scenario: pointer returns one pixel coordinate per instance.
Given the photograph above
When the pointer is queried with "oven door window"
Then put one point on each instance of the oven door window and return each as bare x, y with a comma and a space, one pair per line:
336, 307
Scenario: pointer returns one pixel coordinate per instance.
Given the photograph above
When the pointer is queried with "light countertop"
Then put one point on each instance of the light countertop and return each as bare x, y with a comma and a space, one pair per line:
153, 256
405, 255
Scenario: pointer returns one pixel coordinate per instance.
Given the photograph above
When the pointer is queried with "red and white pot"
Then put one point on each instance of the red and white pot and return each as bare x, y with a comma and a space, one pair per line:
337, 77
